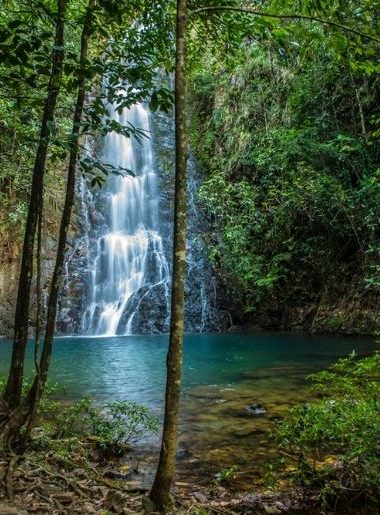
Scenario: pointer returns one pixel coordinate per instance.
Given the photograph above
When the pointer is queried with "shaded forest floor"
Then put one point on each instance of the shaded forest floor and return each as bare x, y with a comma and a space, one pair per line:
45, 483
41, 483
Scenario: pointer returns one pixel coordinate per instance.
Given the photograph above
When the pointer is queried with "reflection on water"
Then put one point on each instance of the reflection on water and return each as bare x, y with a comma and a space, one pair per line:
223, 373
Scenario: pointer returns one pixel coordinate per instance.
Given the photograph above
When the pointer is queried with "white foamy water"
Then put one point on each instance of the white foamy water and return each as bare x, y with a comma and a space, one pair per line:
129, 254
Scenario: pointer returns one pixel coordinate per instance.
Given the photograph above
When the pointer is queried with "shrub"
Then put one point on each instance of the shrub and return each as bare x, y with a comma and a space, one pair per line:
332, 444
115, 426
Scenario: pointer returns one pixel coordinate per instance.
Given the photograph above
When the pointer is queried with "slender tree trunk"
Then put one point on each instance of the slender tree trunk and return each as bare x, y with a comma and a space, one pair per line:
41, 377
13, 390
160, 492
39, 310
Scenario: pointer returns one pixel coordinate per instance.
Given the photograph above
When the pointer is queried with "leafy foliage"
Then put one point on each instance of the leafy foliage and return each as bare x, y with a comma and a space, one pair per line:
116, 425
224, 476
288, 147
126, 49
113, 426
332, 444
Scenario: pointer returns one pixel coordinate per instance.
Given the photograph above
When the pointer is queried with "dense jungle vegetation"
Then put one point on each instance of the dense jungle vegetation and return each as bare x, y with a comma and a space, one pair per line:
287, 135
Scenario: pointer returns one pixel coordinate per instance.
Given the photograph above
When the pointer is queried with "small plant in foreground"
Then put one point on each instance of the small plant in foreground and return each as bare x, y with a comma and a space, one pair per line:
224, 476
331, 445
115, 426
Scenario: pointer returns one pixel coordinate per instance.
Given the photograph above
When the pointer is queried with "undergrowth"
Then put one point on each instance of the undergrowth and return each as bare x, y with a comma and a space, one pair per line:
331, 445
110, 429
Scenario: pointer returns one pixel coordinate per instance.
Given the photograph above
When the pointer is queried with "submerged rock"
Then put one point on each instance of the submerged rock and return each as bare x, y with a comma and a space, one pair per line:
255, 409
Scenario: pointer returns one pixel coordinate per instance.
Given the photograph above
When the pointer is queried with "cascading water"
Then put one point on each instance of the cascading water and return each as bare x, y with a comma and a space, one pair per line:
118, 263
129, 257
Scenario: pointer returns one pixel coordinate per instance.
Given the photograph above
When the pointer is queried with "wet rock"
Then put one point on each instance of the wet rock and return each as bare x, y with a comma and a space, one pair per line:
150, 307
255, 409
72, 299
97, 219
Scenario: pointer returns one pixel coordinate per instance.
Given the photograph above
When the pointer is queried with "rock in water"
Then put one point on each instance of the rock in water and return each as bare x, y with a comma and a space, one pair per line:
255, 409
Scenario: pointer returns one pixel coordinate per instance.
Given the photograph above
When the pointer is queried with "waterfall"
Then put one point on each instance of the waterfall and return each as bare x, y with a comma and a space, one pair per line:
117, 279
129, 258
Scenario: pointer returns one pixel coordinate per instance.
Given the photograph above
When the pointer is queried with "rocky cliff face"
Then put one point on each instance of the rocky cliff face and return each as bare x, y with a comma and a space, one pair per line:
72, 301
205, 301
203, 310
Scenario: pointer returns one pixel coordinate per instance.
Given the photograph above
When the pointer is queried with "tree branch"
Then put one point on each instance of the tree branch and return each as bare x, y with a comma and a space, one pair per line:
285, 17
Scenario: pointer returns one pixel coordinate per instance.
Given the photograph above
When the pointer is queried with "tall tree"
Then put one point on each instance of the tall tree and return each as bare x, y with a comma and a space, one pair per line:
13, 390
160, 492
42, 372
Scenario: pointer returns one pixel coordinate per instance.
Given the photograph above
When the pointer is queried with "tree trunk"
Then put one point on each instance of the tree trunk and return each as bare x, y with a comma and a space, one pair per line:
41, 377
13, 390
160, 492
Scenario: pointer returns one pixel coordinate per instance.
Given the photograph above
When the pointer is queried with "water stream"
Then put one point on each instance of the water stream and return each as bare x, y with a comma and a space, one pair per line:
129, 256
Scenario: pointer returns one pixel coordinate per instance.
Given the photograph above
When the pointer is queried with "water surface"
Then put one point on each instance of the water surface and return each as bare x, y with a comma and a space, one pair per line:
223, 373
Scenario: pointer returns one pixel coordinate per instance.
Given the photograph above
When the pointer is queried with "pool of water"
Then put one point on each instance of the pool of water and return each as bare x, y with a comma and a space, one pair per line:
223, 374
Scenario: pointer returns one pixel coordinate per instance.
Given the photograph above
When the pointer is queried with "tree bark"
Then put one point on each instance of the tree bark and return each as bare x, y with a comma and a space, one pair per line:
160, 492
41, 377
13, 390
